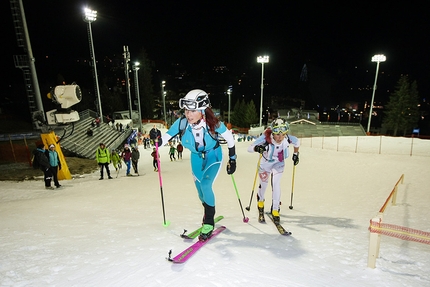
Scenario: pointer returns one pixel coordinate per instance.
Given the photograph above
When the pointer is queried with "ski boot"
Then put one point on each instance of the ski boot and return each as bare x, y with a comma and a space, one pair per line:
208, 222
275, 215
260, 206
206, 232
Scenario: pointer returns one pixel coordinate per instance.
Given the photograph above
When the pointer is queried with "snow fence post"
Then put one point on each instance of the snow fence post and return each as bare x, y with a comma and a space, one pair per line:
374, 242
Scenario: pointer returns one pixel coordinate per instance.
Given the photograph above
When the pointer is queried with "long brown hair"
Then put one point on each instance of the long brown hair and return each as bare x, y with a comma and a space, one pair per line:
211, 120
267, 134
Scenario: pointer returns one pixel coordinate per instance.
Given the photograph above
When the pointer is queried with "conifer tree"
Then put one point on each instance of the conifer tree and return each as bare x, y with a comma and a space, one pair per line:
402, 109
237, 118
250, 116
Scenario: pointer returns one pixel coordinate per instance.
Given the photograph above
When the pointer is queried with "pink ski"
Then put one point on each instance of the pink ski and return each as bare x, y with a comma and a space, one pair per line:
187, 253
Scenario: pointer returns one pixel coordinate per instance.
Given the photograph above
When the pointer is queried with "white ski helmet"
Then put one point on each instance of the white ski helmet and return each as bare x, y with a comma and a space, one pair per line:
195, 100
279, 126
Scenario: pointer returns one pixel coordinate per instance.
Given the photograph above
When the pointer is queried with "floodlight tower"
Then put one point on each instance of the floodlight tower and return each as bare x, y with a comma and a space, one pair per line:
376, 58
89, 17
136, 80
163, 95
262, 60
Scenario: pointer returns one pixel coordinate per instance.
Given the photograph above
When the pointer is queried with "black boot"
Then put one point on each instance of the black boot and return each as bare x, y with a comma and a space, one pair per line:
208, 222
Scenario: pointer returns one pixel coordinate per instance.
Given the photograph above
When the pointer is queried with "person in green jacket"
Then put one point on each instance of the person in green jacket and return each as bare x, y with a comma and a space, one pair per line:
103, 160
172, 151
116, 160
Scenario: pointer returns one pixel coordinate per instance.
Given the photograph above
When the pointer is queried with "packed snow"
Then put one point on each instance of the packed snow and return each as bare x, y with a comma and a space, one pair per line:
112, 232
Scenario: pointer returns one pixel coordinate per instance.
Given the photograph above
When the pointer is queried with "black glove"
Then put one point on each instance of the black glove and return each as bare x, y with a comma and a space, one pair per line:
296, 158
231, 166
260, 148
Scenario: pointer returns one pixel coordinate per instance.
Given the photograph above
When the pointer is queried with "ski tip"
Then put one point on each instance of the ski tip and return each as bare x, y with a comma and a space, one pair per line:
166, 223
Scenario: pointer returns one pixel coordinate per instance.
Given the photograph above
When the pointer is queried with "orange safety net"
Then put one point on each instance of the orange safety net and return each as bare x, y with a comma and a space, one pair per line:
401, 232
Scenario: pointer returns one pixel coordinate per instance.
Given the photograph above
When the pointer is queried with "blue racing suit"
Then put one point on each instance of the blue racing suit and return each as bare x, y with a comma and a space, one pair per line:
206, 158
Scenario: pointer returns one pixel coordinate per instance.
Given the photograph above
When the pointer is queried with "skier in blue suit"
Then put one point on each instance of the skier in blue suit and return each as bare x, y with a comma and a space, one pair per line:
199, 130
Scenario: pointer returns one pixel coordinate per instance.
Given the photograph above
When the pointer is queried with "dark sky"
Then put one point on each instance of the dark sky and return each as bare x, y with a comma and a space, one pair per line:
203, 33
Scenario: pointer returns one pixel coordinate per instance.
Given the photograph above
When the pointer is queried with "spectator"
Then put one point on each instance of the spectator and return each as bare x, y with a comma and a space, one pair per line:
89, 132
54, 162
180, 149
155, 158
135, 155
116, 160
103, 160
43, 162
172, 151
126, 157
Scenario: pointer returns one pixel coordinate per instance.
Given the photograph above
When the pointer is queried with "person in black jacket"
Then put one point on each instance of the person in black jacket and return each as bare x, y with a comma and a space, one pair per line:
135, 155
43, 161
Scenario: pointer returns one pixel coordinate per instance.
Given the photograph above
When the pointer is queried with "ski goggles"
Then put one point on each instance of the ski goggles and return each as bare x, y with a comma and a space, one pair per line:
280, 130
198, 104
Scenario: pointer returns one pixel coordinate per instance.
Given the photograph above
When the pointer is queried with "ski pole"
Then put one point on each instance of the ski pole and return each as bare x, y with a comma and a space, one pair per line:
292, 187
165, 223
255, 180
245, 219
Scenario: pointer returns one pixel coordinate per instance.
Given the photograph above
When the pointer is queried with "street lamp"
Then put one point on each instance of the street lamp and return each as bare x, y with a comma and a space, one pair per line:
136, 80
163, 96
262, 60
377, 59
230, 89
89, 17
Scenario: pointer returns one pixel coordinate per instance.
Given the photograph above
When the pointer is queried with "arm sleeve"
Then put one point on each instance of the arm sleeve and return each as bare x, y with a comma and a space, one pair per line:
226, 134
173, 131
259, 141
295, 141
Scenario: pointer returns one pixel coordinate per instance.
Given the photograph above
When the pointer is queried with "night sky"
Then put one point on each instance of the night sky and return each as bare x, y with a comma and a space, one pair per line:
199, 34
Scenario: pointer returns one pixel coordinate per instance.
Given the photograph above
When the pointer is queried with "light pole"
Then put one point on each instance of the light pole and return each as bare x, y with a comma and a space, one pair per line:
136, 79
127, 79
230, 89
89, 17
163, 96
262, 60
377, 59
